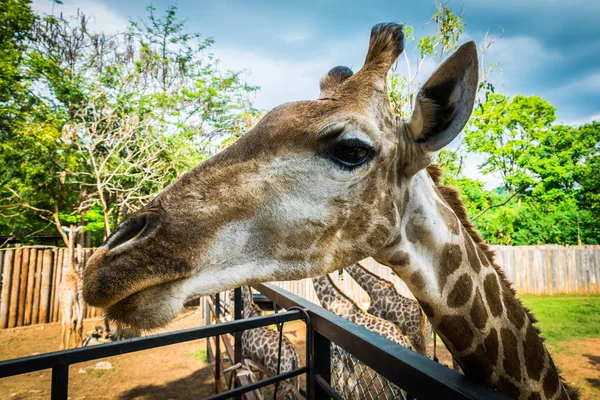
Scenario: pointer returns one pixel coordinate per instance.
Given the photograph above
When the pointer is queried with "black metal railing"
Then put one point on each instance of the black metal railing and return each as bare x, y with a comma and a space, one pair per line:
419, 376
60, 361
416, 375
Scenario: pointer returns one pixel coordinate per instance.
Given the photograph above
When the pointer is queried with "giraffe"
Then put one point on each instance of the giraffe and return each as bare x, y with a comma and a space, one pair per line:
261, 345
317, 185
352, 383
70, 300
390, 305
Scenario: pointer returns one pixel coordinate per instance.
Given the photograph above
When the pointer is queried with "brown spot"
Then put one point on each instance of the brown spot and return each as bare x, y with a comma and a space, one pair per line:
492, 294
483, 257
474, 262
514, 310
450, 260
395, 242
551, 382
536, 354
416, 232
478, 312
507, 387
456, 328
399, 259
477, 365
449, 218
461, 292
492, 346
534, 396
418, 281
379, 236
427, 309
512, 361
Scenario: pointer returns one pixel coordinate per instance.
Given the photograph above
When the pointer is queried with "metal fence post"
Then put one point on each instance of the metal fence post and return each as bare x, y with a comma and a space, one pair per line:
237, 311
322, 364
60, 382
217, 346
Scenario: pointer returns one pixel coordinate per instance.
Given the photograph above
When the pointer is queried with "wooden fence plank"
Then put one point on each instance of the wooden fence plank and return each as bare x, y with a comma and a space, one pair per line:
23, 286
6, 285
45, 289
37, 287
14, 290
30, 286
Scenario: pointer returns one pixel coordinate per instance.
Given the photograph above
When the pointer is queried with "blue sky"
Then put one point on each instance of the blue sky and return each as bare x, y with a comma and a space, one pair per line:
549, 48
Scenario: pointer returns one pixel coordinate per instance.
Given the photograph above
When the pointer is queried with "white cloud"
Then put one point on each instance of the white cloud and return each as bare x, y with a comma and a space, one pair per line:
282, 80
519, 57
293, 36
470, 170
102, 18
584, 120
589, 83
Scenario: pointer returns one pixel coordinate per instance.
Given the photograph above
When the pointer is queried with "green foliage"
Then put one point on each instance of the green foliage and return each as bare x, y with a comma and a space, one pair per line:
98, 124
563, 318
200, 355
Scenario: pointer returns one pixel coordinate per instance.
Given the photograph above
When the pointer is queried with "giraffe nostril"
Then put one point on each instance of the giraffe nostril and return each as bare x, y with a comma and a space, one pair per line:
136, 227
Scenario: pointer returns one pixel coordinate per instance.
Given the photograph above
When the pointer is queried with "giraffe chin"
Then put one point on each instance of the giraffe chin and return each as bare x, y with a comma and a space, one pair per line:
151, 308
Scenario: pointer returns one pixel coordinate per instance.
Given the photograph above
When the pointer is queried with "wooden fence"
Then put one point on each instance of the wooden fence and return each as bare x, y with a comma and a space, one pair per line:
30, 279
31, 275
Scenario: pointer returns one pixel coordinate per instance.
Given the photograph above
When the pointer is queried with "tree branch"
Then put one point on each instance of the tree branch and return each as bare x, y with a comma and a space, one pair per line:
523, 186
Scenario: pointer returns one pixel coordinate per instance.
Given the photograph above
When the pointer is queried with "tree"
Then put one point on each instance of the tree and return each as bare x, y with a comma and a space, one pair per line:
109, 119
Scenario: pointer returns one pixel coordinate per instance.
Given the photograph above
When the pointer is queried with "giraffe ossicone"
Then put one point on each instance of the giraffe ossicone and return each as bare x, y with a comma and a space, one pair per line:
318, 185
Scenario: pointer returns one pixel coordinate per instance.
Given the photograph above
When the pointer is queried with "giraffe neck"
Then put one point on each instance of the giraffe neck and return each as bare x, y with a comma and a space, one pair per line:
364, 278
332, 298
250, 309
485, 327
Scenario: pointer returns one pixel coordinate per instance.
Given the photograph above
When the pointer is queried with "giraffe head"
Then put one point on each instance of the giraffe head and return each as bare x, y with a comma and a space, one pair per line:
310, 189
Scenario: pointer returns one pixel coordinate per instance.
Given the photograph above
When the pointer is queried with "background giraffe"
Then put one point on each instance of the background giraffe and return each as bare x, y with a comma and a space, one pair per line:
390, 305
357, 380
261, 345
70, 299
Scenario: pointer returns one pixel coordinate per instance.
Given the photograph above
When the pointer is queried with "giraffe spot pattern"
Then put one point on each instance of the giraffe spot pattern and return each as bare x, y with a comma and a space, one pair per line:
492, 346
399, 259
534, 396
477, 364
514, 311
551, 381
478, 312
483, 257
507, 387
461, 292
427, 309
418, 281
492, 294
449, 217
418, 233
512, 361
474, 262
456, 328
451, 258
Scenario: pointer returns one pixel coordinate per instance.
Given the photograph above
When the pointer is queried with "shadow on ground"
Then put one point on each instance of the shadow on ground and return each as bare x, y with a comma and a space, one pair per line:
595, 361
197, 385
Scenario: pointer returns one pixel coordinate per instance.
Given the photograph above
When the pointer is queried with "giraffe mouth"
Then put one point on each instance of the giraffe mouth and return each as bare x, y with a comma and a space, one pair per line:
150, 308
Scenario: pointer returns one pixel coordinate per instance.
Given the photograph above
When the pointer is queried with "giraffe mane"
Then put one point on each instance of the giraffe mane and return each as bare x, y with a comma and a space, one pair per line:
452, 198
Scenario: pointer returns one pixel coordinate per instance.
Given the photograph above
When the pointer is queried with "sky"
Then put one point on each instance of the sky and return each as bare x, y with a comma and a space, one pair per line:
548, 48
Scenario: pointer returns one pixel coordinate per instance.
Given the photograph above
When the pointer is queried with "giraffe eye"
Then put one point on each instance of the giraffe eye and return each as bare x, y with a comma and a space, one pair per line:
351, 153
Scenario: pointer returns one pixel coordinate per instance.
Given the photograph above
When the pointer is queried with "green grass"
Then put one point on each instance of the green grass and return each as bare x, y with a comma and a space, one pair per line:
565, 317
199, 355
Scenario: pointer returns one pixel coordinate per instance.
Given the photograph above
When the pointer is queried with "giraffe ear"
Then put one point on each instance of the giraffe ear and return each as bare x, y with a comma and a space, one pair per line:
444, 104
333, 80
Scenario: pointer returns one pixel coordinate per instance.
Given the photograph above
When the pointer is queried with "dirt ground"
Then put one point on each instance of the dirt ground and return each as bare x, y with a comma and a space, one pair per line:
579, 361
178, 372
171, 372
